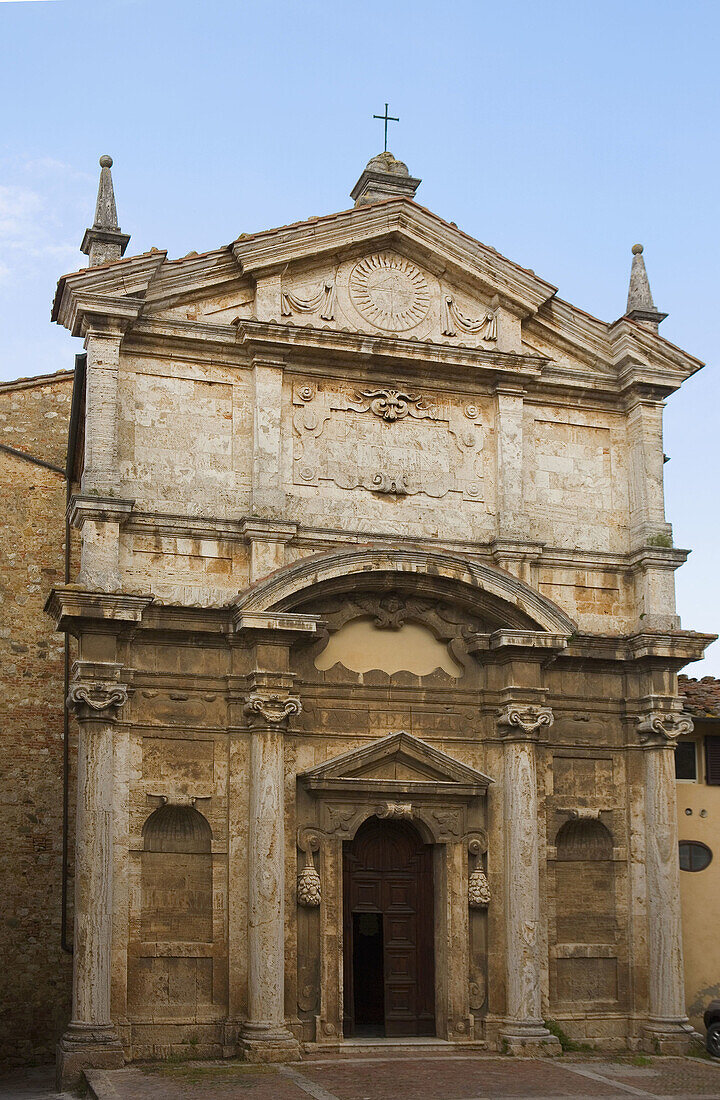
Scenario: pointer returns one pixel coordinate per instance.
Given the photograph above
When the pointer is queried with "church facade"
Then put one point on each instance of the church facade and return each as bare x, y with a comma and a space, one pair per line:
377, 652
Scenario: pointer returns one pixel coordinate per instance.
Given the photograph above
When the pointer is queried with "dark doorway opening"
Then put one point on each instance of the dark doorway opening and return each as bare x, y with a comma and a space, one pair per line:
368, 973
388, 898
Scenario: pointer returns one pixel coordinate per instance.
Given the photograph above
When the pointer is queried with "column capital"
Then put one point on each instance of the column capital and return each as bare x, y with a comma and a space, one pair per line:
661, 729
97, 698
271, 710
522, 721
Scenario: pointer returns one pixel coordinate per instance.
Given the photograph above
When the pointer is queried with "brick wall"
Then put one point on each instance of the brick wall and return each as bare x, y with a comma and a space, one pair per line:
35, 976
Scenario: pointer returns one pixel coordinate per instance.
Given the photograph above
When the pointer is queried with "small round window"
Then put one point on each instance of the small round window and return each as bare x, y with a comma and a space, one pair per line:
694, 856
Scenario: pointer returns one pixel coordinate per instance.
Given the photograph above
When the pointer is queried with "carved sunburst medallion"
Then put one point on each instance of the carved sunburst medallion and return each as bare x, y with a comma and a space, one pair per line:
389, 291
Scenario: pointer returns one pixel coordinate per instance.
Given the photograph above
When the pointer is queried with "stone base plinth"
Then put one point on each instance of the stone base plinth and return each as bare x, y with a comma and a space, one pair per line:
265, 1044
666, 1037
85, 1047
530, 1040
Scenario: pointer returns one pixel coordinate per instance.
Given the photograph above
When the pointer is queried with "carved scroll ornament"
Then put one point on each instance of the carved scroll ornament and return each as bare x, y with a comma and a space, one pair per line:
394, 809
662, 728
453, 319
527, 720
96, 696
392, 405
264, 709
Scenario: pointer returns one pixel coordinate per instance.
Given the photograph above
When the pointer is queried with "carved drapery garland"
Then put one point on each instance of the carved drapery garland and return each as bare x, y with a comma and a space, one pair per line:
662, 728
529, 720
323, 302
309, 891
478, 885
92, 697
268, 709
453, 319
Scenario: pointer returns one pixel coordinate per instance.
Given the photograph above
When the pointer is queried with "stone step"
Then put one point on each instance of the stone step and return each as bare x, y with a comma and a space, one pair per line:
377, 1049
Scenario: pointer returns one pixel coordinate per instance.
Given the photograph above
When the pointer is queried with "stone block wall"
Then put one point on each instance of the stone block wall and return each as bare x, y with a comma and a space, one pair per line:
35, 978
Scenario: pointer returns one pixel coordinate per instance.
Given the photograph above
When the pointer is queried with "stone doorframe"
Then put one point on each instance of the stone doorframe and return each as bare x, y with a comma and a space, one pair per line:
448, 811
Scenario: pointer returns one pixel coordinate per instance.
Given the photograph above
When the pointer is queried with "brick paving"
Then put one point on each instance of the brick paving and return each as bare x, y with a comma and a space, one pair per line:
451, 1077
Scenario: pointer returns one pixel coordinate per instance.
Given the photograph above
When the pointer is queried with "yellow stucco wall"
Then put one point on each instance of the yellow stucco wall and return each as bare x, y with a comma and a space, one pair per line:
700, 891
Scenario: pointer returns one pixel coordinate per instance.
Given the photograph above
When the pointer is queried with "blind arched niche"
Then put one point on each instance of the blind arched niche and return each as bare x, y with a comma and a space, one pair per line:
585, 883
176, 876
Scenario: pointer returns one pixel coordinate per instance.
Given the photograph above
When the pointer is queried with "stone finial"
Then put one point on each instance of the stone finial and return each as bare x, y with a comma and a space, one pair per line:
104, 242
640, 304
384, 178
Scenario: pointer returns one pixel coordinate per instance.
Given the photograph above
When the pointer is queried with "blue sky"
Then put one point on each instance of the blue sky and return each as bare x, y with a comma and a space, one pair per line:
560, 133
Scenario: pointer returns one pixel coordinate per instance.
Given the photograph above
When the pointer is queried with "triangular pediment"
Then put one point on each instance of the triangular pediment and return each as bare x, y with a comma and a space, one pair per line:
398, 760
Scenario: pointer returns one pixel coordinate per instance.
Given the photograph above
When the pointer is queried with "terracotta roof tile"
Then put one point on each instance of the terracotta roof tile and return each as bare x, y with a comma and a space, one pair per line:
702, 697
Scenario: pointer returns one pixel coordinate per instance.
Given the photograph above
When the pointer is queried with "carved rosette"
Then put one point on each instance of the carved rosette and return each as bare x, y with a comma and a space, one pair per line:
524, 721
96, 698
273, 710
662, 729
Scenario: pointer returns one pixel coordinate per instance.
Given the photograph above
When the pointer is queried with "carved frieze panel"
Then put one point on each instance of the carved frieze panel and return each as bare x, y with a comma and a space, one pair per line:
387, 440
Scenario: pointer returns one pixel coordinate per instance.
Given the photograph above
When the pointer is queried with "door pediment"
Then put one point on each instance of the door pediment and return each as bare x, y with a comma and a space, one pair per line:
399, 765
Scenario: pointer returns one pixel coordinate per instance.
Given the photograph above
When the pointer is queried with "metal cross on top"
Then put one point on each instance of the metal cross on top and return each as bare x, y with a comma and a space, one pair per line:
386, 118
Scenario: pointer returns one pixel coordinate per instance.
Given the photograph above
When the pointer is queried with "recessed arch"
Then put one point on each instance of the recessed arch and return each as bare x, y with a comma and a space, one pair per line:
483, 587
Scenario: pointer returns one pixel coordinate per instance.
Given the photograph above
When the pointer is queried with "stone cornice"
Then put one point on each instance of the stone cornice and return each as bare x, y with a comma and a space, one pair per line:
102, 314
128, 279
357, 347
98, 509
68, 605
644, 360
273, 623
403, 224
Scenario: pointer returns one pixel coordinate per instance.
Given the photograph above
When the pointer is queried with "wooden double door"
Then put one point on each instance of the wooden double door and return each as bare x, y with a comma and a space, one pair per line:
389, 971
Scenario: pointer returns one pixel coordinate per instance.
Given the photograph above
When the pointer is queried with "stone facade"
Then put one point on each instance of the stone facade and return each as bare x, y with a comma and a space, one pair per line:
35, 976
374, 560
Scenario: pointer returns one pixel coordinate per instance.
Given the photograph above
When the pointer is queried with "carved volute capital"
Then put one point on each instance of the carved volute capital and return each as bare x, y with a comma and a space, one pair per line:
270, 710
96, 699
659, 729
524, 722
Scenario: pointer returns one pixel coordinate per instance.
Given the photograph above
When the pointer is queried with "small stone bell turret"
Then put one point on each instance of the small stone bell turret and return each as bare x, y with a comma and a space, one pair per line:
104, 242
640, 304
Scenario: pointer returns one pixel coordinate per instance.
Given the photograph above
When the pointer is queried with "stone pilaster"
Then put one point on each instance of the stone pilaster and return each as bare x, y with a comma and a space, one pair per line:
268, 496
667, 1030
525, 1033
102, 343
91, 1040
647, 494
509, 458
265, 1038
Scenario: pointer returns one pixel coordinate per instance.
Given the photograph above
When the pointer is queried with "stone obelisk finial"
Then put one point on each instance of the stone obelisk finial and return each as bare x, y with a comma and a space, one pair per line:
104, 242
640, 304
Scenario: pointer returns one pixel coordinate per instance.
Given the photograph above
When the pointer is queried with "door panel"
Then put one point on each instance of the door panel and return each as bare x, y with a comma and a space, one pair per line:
387, 870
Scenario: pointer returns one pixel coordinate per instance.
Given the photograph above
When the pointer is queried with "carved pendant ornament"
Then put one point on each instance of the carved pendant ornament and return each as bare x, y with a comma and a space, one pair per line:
389, 292
478, 885
309, 893
453, 319
388, 441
